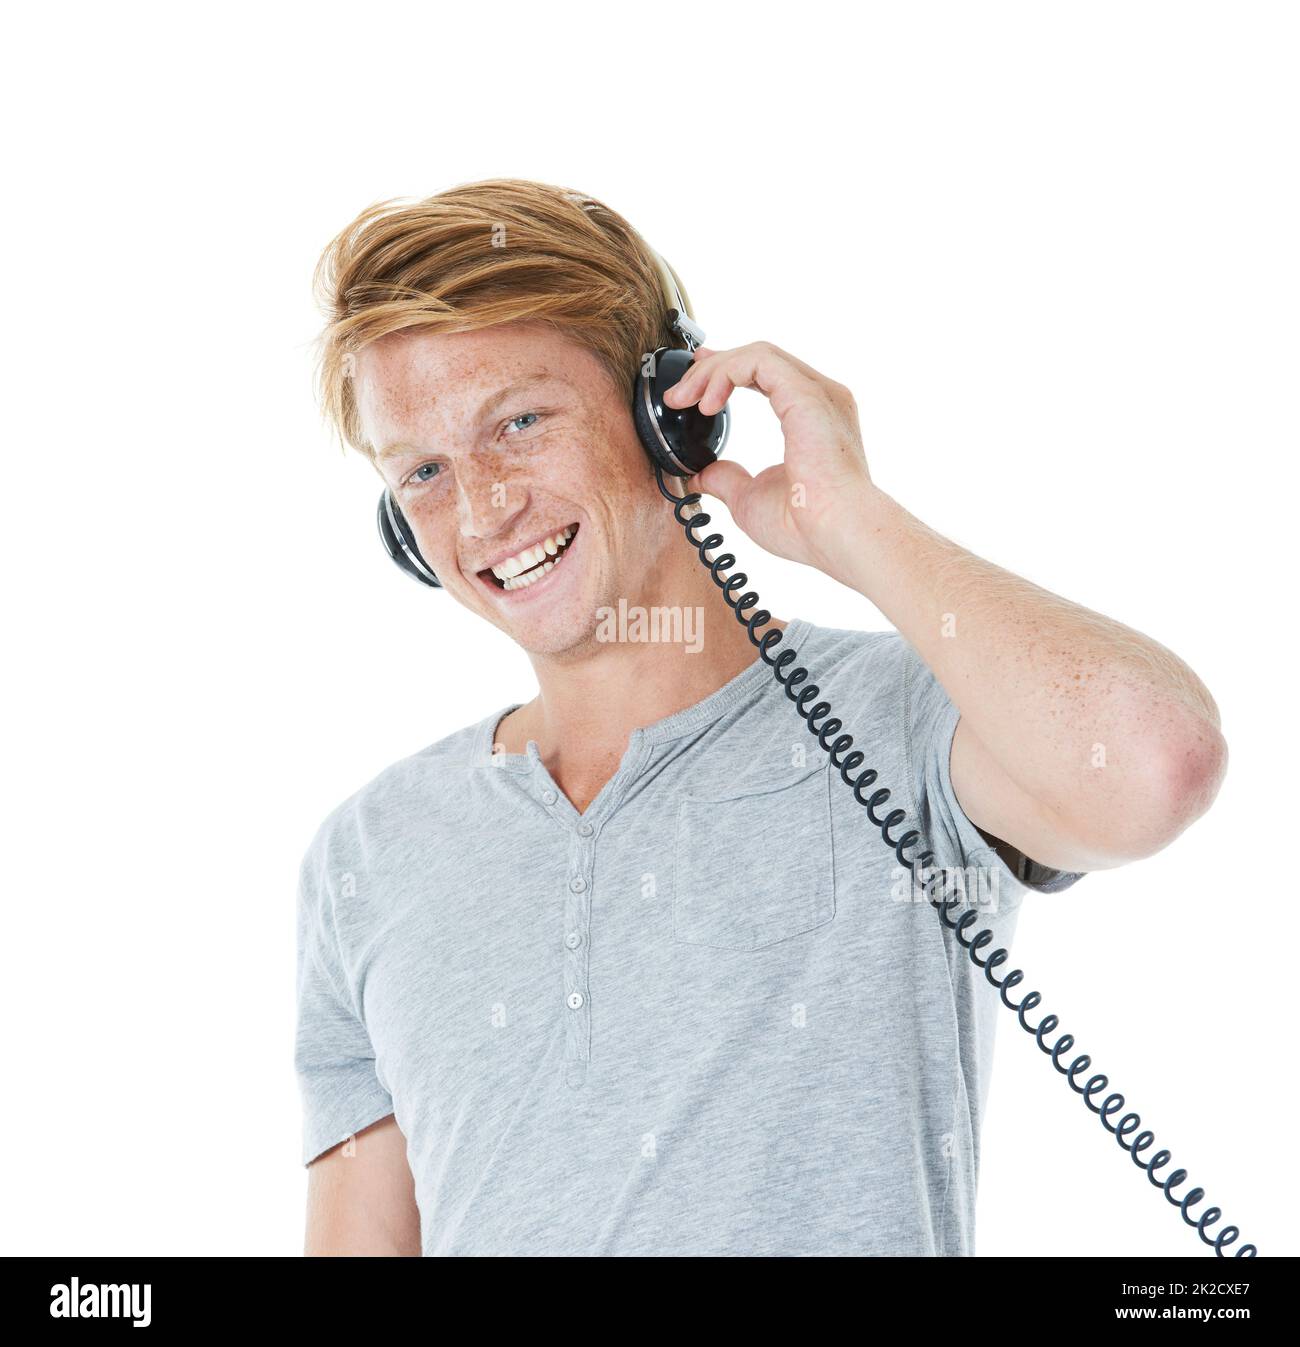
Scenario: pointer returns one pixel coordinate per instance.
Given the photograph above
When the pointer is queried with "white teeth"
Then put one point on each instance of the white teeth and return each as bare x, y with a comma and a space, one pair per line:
523, 581
512, 570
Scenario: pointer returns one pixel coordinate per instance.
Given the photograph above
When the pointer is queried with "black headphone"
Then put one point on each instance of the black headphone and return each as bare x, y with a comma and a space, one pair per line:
682, 441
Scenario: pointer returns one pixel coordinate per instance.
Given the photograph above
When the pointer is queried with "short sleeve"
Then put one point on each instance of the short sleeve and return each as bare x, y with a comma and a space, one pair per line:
959, 847
333, 1056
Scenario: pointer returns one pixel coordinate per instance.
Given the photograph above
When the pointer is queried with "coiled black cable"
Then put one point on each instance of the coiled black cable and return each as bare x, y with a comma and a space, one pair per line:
849, 764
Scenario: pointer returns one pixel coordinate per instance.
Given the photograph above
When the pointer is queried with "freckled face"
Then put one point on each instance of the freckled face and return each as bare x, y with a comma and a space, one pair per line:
495, 443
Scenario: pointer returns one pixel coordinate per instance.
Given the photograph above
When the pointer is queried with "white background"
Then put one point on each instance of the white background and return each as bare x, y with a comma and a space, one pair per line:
1051, 248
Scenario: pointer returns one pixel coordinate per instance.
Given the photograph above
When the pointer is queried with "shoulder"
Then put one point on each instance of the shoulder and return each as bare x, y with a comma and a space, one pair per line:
880, 689
840, 644
876, 665
422, 787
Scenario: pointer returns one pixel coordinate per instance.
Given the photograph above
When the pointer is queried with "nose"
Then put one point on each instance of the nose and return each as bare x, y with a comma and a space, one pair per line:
486, 502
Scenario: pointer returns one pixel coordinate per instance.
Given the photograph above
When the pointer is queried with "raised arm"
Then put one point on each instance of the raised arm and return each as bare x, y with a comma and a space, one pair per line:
1082, 742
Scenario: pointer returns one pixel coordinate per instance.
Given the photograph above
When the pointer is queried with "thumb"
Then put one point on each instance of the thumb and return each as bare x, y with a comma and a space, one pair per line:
725, 479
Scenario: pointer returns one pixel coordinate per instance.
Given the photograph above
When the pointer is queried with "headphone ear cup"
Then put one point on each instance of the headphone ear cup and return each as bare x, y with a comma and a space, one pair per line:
681, 440
399, 542
643, 420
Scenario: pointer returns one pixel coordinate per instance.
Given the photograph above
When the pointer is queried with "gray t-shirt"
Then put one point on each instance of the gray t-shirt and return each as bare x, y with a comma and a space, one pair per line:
707, 1016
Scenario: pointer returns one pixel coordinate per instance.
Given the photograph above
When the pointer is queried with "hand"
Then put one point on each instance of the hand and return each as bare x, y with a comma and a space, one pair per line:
804, 508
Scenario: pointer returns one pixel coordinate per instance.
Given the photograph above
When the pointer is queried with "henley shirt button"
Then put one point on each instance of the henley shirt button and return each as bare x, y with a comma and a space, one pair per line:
573, 940
585, 829
577, 884
575, 1000
549, 796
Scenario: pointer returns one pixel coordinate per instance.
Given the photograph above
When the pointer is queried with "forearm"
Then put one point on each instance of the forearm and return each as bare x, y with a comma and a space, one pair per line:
1098, 724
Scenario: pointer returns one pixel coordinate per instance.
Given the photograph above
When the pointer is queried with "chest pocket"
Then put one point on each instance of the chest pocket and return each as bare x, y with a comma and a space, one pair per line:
754, 867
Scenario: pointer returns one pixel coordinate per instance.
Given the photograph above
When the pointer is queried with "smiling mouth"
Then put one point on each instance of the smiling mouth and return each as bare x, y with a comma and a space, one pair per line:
529, 566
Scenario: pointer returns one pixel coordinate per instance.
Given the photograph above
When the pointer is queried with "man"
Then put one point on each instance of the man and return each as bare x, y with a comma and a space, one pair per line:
626, 969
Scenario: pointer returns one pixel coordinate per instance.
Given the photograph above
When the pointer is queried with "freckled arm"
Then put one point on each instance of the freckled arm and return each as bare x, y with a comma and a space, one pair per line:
1082, 742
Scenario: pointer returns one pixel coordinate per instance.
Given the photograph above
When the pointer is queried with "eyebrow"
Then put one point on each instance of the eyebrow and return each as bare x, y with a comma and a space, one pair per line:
489, 405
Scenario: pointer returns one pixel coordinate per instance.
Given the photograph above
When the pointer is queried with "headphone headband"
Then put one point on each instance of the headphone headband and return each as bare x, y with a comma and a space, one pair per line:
679, 315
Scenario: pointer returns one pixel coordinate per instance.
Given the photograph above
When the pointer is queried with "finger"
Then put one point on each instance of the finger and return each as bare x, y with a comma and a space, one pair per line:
805, 369
764, 368
759, 366
713, 396
767, 369
683, 392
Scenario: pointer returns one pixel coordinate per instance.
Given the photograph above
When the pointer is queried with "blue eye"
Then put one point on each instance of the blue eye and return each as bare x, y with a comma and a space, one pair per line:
426, 472
523, 417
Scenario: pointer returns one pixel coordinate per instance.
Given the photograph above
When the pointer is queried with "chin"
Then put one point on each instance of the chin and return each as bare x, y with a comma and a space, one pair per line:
559, 645
555, 617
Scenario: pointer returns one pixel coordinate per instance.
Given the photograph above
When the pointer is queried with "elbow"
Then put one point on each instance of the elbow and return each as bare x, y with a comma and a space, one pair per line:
1194, 765
1176, 780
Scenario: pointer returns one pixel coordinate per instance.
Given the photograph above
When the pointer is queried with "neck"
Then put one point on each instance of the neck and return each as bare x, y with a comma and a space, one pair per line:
647, 661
